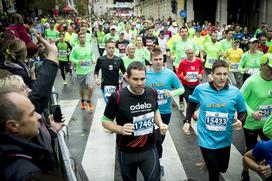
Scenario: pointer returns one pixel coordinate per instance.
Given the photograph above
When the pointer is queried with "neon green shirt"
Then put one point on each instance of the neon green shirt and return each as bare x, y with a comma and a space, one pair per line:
127, 60
250, 61
267, 128
51, 34
142, 54
63, 50
84, 54
199, 41
269, 43
258, 96
208, 38
75, 40
179, 47
100, 35
191, 32
134, 32
213, 51
226, 44
107, 37
69, 37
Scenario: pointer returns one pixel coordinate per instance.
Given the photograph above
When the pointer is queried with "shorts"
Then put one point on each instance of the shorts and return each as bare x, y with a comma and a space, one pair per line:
85, 81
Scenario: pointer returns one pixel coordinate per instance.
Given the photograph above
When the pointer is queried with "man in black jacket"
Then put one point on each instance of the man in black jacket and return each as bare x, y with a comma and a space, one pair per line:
20, 158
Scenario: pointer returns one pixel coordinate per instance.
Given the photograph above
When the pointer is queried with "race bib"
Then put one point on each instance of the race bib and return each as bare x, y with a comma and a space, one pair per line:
108, 90
62, 53
216, 121
143, 124
86, 63
234, 67
101, 45
266, 111
193, 76
253, 71
162, 97
211, 60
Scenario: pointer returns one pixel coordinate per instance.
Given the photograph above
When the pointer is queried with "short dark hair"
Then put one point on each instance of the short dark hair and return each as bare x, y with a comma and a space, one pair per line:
156, 51
111, 40
228, 30
219, 63
183, 27
136, 65
8, 110
61, 34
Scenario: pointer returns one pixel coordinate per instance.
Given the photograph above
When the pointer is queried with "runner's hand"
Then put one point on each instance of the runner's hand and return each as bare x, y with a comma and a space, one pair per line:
167, 92
265, 169
97, 81
163, 128
187, 78
127, 129
237, 125
257, 115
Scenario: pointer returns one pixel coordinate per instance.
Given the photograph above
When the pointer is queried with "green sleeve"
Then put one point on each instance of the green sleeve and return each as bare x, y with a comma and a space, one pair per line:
105, 39
241, 66
177, 92
173, 47
146, 55
72, 56
246, 91
75, 41
105, 119
267, 128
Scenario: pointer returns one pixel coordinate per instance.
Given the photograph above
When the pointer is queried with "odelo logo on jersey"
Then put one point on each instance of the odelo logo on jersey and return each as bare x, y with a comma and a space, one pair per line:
140, 106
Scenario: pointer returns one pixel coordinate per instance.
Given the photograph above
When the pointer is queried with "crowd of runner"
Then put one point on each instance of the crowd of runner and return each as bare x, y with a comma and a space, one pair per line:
222, 75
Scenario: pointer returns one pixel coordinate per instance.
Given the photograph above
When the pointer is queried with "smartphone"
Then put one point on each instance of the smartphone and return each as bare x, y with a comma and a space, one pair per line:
56, 111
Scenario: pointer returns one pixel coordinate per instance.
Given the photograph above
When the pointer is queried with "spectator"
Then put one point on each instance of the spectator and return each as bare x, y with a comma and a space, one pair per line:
16, 62
19, 124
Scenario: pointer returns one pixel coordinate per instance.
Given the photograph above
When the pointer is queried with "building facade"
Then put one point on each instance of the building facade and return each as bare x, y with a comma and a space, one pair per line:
246, 12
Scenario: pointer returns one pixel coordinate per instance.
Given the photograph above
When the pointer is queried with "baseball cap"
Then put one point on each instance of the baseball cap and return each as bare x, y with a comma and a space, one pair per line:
113, 27
253, 40
267, 59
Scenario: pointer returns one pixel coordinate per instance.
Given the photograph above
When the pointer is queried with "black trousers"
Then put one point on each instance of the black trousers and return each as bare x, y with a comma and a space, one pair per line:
216, 161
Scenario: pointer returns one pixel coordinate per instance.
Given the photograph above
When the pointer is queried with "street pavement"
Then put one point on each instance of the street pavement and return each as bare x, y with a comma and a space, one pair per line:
94, 150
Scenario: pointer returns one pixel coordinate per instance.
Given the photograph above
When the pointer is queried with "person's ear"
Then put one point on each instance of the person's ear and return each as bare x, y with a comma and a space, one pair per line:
12, 126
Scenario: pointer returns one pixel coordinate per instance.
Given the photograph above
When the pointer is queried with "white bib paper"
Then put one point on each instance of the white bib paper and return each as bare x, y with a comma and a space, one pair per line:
266, 111
193, 76
143, 124
109, 89
162, 97
234, 67
216, 121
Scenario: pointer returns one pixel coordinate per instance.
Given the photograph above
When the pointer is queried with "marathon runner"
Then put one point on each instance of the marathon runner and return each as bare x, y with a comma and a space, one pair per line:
257, 91
136, 111
110, 66
83, 58
164, 81
218, 101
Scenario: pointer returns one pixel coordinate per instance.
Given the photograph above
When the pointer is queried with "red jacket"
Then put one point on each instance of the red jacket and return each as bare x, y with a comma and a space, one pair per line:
192, 69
